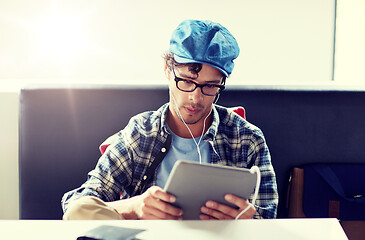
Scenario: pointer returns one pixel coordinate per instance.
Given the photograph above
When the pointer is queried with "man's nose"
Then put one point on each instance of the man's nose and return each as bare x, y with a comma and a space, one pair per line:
196, 96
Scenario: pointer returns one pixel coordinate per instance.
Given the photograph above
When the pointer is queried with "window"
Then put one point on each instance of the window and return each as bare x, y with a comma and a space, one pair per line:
350, 39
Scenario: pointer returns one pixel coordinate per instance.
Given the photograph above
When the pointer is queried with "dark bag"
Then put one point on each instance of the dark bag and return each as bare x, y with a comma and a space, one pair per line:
334, 190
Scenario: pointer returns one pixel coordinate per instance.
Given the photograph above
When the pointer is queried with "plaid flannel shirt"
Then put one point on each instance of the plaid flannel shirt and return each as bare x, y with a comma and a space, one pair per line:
233, 141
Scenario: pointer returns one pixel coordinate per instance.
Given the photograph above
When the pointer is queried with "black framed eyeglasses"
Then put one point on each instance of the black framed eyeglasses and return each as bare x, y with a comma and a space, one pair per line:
190, 86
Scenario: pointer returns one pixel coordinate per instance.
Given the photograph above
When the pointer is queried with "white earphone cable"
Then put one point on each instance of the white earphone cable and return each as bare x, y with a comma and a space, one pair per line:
258, 182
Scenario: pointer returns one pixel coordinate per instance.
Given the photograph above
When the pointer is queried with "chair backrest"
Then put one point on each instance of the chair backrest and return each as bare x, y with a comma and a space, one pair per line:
61, 129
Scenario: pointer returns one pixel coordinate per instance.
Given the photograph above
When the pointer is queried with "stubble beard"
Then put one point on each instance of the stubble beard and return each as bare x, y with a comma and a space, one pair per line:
192, 121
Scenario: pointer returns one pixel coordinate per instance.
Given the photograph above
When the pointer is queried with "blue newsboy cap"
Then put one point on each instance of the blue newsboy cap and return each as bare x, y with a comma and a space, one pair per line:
205, 42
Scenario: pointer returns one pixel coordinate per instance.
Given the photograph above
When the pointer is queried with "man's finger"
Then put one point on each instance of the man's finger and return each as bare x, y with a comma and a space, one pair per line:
159, 207
214, 214
242, 204
154, 213
219, 211
239, 202
158, 193
168, 209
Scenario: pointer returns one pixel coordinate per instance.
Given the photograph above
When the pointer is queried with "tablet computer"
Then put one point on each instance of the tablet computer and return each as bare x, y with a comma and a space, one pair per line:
193, 184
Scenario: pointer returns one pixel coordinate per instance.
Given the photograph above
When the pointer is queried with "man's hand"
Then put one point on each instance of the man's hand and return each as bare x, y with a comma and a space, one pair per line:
155, 204
213, 210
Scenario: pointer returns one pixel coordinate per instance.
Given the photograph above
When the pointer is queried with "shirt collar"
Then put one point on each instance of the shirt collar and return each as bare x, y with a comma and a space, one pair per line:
164, 111
213, 129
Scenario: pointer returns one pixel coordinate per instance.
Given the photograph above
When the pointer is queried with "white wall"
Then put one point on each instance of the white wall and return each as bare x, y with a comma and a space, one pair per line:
120, 41
9, 182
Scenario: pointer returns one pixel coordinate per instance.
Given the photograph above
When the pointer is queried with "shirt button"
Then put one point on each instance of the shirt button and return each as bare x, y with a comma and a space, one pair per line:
163, 150
144, 177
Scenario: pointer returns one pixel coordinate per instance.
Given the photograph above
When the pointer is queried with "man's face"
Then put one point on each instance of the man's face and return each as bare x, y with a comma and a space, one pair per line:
193, 106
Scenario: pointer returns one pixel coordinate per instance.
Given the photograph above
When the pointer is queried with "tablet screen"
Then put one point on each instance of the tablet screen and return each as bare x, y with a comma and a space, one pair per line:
193, 184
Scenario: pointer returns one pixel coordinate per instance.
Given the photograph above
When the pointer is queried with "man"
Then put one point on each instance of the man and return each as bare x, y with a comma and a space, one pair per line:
138, 162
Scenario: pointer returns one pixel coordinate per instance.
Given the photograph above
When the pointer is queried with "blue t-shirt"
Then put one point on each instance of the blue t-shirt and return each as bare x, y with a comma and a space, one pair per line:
181, 149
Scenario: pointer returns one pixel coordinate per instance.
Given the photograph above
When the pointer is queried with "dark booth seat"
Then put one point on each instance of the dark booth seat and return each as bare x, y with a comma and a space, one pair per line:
61, 129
